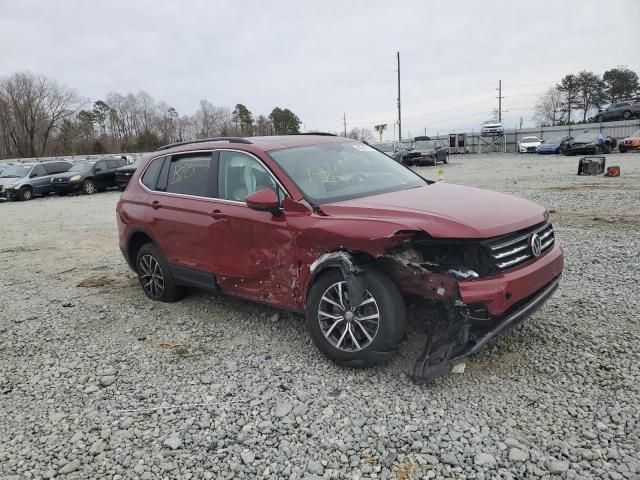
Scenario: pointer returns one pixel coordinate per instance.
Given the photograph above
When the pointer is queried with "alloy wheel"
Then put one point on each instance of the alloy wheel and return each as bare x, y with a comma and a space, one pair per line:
90, 188
348, 328
151, 276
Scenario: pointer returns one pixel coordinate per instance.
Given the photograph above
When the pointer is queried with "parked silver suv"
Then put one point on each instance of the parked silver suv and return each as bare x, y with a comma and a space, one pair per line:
25, 180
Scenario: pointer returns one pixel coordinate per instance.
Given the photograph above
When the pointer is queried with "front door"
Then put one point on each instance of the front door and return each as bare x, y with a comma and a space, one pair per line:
254, 257
39, 180
101, 174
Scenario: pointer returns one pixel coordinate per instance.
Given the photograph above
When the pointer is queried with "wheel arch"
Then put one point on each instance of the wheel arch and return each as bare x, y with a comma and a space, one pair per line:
345, 260
137, 238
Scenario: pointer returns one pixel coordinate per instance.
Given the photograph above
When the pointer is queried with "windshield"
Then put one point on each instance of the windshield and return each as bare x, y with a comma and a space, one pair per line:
555, 140
82, 167
333, 172
529, 139
587, 137
424, 146
385, 147
16, 171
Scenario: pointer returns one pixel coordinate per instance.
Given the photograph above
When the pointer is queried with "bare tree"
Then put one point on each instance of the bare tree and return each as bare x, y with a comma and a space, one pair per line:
361, 134
549, 107
33, 107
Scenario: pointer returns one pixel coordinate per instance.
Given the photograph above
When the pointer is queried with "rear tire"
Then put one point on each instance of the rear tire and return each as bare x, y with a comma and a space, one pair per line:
600, 118
88, 187
25, 194
154, 275
340, 341
626, 115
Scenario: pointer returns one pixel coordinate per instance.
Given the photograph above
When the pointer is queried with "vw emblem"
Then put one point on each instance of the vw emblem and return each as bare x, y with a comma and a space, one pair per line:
536, 245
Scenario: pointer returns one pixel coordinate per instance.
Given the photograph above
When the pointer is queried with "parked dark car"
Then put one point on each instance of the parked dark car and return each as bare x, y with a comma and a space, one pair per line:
632, 142
588, 144
553, 145
123, 174
23, 181
88, 177
620, 111
338, 230
426, 152
391, 149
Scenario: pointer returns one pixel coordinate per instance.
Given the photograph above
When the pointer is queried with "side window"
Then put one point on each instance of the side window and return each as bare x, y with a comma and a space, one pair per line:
241, 175
38, 171
150, 177
101, 165
52, 168
191, 175
113, 164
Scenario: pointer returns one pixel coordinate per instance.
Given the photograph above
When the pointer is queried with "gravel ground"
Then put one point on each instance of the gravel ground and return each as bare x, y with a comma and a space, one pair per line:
98, 382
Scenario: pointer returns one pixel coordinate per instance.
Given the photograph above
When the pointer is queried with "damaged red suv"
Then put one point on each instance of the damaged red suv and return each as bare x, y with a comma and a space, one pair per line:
336, 229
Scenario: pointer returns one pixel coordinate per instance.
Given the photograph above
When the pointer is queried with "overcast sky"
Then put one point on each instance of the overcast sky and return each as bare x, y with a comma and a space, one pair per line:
324, 58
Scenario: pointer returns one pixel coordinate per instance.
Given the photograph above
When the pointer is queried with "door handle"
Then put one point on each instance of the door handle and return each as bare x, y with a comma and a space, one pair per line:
217, 214
156, 205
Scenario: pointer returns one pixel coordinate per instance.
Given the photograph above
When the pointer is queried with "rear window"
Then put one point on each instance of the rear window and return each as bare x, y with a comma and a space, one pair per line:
151, 174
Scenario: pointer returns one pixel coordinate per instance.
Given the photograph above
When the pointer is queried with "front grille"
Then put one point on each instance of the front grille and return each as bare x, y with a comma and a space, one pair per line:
514, 249
531, 149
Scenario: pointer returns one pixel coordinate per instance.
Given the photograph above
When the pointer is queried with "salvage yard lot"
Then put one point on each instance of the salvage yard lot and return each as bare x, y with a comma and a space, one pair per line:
98, 381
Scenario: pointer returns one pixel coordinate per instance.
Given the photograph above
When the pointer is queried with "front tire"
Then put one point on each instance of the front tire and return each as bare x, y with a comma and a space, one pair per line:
626, 115
356, 336
154, 275
88, 187
622, 150
25, 194
600, 118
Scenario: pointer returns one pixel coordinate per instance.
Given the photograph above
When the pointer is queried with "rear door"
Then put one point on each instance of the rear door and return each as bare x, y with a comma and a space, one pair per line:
182, 214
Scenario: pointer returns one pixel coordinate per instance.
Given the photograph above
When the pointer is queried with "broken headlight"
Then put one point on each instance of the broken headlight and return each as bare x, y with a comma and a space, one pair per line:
463, 260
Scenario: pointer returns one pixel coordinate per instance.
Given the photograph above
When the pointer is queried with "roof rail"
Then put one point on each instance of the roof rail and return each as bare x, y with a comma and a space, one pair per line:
203, 140
322, 134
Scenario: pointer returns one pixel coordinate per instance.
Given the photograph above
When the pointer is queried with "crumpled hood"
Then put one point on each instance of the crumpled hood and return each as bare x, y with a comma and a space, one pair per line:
444, 210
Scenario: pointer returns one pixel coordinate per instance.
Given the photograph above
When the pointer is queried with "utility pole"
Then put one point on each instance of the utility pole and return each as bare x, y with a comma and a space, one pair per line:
399, 111
499, 97
344, 119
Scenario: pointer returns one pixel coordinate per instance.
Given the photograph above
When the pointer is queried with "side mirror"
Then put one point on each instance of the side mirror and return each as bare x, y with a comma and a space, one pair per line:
33, 175
264, 201
98, 169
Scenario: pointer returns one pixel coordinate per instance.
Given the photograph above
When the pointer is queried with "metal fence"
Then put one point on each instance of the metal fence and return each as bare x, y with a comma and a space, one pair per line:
73, 158
616, 130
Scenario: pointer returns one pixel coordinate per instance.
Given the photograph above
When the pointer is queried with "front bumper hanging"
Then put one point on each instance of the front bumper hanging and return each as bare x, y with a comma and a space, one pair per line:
442, 352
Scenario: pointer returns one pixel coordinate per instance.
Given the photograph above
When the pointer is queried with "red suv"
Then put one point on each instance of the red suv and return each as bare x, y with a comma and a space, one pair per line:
338, 230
